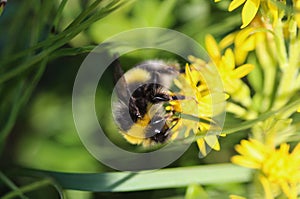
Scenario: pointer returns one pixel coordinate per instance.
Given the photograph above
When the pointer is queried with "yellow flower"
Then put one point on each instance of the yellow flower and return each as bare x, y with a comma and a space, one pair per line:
244, 40
252, 153
229, 73
201, 104
270, 10
212, 48
249, 10
274, 130
279, 168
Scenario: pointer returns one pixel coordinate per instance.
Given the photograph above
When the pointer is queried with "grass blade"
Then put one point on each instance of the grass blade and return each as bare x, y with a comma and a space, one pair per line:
159, 179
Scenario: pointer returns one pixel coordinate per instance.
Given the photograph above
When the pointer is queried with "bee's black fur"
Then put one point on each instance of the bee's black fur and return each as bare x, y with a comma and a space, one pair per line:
144, 96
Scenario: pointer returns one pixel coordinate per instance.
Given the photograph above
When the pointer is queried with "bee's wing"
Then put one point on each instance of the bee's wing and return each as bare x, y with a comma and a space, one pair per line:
121, 86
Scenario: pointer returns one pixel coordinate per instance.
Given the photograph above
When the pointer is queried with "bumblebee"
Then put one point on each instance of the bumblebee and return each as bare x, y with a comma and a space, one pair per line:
145, 109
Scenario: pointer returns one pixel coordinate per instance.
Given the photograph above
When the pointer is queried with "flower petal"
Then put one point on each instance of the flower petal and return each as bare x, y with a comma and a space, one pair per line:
234, 4
227, 40
266, 186
249, 11
202, 146
212, 47
240, 56
243, 35
249, 44
213, 142
245, 162
253, 150
243, 70
216, 98
228, 59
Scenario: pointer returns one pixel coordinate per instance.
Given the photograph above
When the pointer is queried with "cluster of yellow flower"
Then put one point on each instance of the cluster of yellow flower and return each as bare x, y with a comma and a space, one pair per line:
267, 50
271, 29
204, 99
279, 169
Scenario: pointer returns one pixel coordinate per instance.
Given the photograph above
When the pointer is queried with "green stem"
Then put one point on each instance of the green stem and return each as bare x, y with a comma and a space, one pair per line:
280, 45
11, 185
84, 14
13, 29
286, 110
59, 13
71, 51
12, 115
194, 118
28, 188
248, 124
288, 80
63, 38
65, 35
20, 100
269, 71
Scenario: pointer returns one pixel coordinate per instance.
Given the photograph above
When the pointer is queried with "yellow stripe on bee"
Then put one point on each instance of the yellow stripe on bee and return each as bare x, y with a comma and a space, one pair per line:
137, 75
136, 134
133, 140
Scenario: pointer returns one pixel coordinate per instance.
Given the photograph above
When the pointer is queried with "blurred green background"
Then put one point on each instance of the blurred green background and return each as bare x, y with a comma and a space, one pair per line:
42, 134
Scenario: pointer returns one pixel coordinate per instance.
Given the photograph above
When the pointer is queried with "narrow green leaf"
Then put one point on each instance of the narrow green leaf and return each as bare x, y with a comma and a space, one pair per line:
59, 13
22, 96
146, 180
54, 42
71, 51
